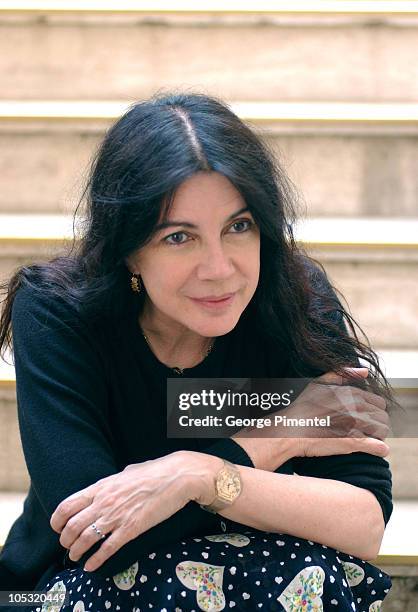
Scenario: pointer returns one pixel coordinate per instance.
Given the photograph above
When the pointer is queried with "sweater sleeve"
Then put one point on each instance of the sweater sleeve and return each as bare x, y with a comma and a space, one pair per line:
62, 402
359, 469
61, 399
227, 448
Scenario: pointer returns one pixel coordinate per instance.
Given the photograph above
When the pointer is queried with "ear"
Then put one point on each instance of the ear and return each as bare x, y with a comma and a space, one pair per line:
130, 264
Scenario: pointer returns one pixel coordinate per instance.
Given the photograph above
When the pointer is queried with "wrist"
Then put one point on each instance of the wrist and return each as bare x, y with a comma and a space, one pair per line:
268, 453
198, 472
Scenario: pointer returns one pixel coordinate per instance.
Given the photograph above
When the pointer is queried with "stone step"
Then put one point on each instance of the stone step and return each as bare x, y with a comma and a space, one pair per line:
322, 232
364, 257
346, 159
274, 49
399, 366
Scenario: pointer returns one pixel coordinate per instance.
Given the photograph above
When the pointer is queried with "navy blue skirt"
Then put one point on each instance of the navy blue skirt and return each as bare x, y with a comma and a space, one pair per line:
250, 570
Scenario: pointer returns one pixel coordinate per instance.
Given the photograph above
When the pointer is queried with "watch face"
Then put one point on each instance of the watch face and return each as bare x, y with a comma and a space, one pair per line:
228, 485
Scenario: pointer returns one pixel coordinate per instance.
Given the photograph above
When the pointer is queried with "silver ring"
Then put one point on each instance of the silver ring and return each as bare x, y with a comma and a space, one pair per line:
97, 530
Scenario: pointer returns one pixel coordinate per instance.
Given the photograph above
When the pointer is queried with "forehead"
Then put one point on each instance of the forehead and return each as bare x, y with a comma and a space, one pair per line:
205, 193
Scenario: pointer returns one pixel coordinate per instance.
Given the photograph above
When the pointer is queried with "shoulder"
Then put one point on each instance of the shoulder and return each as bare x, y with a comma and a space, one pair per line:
316, 274
48, 326
38, 309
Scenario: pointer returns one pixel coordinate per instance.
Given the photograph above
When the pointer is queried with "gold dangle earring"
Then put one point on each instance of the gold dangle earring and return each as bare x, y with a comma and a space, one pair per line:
136, 283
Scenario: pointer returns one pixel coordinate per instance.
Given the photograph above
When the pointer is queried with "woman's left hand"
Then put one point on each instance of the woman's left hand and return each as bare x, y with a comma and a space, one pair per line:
123, 505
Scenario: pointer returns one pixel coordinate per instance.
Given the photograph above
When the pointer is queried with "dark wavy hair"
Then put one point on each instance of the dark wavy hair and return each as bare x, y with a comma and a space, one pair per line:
144, 157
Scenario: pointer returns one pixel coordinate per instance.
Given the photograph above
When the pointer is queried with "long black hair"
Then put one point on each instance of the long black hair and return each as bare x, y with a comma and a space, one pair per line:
144, 157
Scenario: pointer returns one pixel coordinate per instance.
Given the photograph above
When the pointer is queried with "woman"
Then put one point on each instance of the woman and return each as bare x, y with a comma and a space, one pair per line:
186, 204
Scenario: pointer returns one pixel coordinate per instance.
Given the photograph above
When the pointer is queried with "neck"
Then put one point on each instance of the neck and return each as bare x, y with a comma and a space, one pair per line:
174, 344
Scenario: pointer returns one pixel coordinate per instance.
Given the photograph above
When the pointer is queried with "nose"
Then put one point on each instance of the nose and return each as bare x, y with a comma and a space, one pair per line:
215, 263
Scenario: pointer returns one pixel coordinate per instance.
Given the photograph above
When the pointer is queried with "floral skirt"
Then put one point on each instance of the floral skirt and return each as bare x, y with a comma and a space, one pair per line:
250, 570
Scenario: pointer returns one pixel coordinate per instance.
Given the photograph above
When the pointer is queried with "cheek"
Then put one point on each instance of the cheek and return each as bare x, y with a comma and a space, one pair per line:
167, 281
252, 261
253, 275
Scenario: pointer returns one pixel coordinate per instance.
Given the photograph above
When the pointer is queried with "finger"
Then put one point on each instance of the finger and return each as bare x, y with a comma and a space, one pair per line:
372, 446
329, 378
88, 538
374, 423
379, 417
113, 543
363, 398
76, 526
357, 372
374, 429
353, 374
334, 378
373, 398
367, 420
380, 432
67, 508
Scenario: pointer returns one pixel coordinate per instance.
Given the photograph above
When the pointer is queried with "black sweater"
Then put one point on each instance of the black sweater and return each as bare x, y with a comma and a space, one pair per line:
92, 399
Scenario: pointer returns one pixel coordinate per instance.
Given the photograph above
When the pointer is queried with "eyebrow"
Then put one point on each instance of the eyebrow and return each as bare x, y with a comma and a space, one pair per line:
166, 224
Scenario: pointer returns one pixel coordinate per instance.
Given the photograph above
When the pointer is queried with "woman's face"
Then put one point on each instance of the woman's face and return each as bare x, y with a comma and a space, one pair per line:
209, 250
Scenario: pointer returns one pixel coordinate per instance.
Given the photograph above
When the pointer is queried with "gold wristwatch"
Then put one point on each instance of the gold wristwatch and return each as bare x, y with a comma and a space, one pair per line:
228, 487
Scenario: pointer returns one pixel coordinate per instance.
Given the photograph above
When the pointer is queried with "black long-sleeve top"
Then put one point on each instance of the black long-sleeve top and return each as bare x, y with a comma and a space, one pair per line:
91, 399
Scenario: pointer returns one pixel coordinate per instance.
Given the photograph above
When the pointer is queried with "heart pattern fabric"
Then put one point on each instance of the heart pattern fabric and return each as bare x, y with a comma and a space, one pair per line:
244, 571
236, 539
126, 579
206, 580
305, 591
354, 573
52, 605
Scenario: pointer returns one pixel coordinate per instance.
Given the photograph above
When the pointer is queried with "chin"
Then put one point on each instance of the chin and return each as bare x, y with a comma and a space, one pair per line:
218, 327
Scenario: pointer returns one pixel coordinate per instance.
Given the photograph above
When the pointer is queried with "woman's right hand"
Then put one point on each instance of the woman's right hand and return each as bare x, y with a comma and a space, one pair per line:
319, 447
352, 410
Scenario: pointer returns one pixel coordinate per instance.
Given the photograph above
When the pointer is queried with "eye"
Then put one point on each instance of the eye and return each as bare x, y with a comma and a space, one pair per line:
175, 243
240, 222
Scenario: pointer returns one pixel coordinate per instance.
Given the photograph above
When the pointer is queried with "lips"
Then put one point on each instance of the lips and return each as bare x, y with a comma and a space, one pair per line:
212, 298
215, 305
